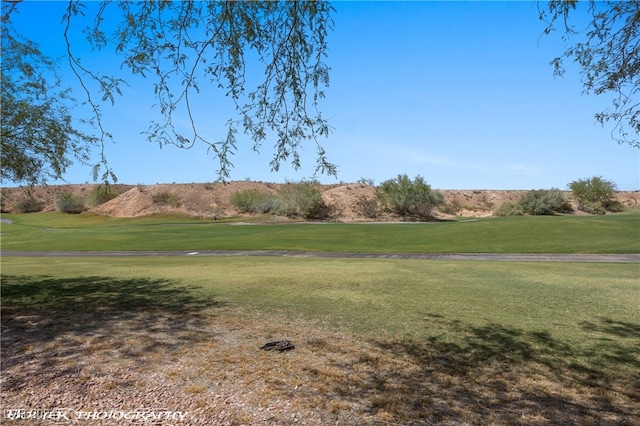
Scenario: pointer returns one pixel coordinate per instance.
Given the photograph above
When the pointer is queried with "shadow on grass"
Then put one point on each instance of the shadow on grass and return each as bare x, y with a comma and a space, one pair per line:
500, 375
47, 321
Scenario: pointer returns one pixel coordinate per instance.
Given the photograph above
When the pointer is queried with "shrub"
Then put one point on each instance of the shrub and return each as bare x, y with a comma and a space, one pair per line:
301, 199
253, 201
165, 198
614, 206
367, 181
593, 208
27, 205
595, 195
101, 194
69, 203
544, 201
409, 198
367, 206
508, 208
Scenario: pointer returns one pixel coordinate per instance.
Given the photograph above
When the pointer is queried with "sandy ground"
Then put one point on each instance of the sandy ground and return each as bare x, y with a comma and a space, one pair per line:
207, 199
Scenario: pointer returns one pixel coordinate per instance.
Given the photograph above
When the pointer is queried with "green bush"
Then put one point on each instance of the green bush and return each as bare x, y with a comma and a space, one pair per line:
69, 203
544, 202
409, 198
508, 208
253, 201
301, 199
101, 194
165, 198
613, 206
27, 205
595, 195
592, 207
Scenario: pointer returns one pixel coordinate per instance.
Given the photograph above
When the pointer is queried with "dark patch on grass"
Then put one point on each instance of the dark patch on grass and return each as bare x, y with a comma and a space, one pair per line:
502, 375
52, 317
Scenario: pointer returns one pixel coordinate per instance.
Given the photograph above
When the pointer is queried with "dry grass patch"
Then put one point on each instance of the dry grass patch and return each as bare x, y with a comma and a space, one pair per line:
215, 371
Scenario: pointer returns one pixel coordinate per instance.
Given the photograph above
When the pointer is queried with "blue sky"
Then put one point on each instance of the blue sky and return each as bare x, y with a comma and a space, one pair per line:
460, 93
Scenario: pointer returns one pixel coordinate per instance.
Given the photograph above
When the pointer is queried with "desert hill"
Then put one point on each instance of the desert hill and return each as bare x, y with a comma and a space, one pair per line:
209, 199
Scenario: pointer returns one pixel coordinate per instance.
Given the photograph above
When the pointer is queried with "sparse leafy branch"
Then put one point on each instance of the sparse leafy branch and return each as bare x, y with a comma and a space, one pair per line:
179, 45
608, 53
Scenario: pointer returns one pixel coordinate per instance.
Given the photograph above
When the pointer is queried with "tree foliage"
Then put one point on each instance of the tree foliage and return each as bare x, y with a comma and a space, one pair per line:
407, 197
595, 195
182, 46
608, 54
38, 135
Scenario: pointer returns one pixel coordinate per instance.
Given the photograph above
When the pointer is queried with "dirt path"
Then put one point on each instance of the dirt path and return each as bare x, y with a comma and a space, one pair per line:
496, 257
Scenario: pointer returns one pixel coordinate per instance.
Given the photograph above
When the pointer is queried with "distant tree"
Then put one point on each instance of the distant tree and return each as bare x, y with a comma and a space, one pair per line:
408, 197
595, 195
608, 53
544, 202
39, 139
183, 45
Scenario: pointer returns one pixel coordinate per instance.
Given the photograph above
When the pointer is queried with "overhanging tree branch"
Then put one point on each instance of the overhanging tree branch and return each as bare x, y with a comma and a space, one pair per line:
608, 55
175, 44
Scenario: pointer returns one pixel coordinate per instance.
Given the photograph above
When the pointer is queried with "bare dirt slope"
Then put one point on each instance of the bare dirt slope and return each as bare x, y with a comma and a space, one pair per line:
345, 201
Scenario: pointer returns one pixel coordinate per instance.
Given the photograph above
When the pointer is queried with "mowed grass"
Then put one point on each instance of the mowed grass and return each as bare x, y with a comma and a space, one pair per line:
530, 343
618, 233
378, 341
394, 298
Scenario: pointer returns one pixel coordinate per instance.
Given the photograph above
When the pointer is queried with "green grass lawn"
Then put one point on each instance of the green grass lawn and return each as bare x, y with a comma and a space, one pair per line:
399, 299
405, 340
618, 233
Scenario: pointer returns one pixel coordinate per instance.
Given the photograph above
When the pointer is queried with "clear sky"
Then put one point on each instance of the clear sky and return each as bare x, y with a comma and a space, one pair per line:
460, 93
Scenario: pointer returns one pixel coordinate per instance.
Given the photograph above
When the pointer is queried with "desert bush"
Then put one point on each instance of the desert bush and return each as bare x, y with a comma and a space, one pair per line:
613, 206
409, 198
301, 199
253, 201
453, 207
295, 199
368, 207
595, 195
544, 202
592, 207
367, 181
69, 203
165, 198
27, 205
508, 208
101, 194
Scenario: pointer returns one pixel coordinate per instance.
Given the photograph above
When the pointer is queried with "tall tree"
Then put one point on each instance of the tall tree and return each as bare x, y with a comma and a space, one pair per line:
608, 53
39, 139
181, 46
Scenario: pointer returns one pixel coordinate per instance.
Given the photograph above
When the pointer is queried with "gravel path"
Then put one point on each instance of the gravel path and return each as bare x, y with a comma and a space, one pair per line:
496, 257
